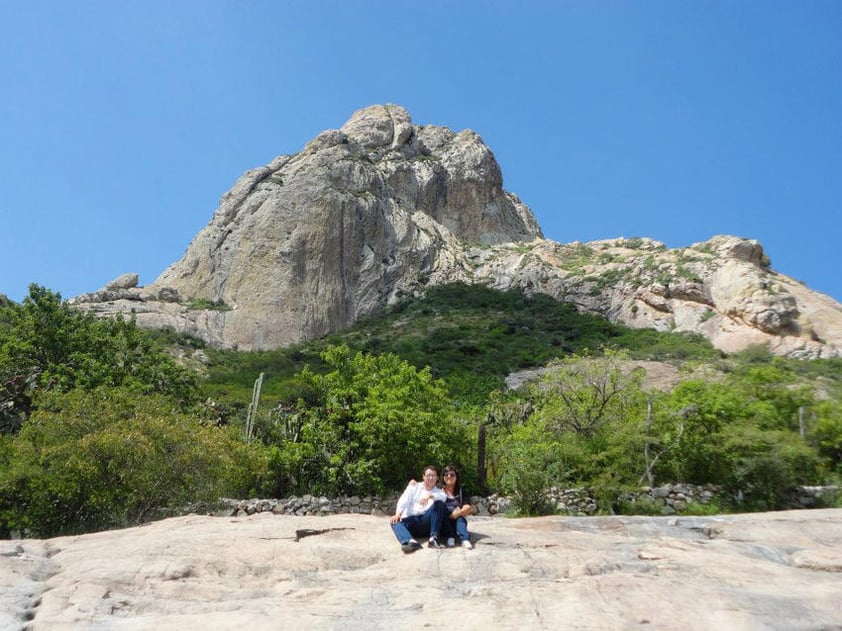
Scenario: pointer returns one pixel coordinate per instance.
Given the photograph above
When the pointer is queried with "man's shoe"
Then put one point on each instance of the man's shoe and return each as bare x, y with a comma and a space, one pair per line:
467, 545
434, 543
451, 542
410, 546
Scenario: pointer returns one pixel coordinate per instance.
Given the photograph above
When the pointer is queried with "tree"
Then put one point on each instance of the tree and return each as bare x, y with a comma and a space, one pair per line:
376, 422
47, 345
742, 432
828, 432
586, 429
583, 394
92, 460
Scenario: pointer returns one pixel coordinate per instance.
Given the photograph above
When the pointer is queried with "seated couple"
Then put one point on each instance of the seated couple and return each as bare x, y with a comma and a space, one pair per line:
425, 510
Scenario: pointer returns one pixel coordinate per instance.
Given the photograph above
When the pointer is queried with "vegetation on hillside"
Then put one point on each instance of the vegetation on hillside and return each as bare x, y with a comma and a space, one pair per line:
470, 336
101, 425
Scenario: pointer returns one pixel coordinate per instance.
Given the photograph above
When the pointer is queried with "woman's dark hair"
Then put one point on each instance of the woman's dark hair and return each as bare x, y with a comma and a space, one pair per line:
451, 469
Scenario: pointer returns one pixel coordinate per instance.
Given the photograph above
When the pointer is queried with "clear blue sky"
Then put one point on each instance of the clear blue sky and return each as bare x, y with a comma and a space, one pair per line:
123, 122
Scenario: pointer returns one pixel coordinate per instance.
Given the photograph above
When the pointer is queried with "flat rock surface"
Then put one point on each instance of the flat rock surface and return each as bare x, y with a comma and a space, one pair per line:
779, 570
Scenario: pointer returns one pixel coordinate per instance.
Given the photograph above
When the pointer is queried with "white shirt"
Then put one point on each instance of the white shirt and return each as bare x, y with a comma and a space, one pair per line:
418, 499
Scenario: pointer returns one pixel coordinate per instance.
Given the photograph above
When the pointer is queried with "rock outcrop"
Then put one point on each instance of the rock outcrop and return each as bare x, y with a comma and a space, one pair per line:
752, 571
382, 208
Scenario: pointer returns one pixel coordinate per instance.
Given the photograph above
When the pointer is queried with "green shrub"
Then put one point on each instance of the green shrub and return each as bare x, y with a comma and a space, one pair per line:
764, 466
371, 423
47, 345
210, 305
109, 458
639, 506
530, 468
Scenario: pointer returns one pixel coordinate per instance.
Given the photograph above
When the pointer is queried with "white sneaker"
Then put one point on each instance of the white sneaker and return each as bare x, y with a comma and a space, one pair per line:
451, 542
467, 545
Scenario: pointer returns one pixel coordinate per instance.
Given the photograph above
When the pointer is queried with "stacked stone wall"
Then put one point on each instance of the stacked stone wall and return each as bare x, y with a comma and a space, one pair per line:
669, 499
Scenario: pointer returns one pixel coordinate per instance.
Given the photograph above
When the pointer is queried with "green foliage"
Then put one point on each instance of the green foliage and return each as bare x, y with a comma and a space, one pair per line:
639, 506
211, 305
648, 506
473, 337
362, 411
586, 429
47, 345
764, 465
655, 345
370, 424
634, 243
591, 427
827, 432
743, 432
531, 464
582, 394
109, 458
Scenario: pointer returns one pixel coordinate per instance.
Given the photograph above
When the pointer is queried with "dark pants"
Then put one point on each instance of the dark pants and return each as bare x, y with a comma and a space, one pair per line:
455, 528
427, 524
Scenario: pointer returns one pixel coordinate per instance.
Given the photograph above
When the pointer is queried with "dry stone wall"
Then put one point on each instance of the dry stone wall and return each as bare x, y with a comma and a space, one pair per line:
671, 498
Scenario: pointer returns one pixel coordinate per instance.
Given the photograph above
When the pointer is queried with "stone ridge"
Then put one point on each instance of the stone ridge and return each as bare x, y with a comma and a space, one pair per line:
382, 208
723, 289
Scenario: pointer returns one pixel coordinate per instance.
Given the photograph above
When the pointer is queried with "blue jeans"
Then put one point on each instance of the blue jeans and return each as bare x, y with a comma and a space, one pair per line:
427, 524
458, 527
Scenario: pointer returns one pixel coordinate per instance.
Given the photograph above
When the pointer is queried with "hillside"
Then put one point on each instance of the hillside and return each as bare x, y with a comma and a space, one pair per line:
383, 208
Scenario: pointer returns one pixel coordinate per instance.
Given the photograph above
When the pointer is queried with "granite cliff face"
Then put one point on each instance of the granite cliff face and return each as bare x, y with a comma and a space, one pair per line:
383, 208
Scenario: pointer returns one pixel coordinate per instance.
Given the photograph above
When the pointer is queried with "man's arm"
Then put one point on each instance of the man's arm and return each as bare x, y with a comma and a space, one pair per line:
403, 502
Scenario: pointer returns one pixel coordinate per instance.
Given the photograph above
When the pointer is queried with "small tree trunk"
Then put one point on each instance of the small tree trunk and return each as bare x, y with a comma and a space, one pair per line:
482, 481
650, 478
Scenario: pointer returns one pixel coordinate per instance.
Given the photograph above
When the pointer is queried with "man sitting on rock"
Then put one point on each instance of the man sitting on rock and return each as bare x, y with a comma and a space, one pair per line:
420, 512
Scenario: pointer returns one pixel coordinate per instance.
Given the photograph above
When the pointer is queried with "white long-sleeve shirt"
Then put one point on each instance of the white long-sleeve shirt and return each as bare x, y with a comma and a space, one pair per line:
409, 503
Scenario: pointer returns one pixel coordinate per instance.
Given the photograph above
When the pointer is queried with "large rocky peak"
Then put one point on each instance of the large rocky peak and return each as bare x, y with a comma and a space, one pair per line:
313, 241
382, 208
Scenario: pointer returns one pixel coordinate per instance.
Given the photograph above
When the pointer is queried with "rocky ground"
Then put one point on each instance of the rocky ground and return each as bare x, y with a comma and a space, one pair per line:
754, 571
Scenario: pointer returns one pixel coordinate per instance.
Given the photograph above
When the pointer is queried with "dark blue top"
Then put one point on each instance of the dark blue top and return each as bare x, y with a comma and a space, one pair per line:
461, 498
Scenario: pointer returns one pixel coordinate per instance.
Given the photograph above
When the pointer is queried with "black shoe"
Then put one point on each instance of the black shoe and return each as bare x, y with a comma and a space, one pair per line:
410, 546
434, 543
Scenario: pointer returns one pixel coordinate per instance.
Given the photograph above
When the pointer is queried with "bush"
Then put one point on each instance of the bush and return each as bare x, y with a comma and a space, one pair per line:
371, 424
531, 463
109, 458
47, 345
764, 466
828, 433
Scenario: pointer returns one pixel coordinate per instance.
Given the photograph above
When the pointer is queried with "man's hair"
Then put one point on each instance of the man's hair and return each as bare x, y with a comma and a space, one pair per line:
430, 467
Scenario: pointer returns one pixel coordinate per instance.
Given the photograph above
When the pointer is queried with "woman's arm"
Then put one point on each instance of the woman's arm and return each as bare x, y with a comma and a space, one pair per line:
462, 511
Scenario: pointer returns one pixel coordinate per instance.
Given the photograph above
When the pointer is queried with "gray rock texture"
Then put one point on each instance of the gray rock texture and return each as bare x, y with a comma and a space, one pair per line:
753, 571
382, 208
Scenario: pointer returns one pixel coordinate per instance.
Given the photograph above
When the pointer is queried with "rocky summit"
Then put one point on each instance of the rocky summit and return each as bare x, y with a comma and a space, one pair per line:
266, 571
382, 208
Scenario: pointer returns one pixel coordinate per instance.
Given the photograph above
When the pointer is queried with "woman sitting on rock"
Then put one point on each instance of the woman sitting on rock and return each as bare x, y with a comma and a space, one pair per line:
458, 507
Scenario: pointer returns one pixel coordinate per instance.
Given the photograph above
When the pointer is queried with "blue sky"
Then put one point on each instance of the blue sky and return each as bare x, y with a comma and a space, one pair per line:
123, 123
